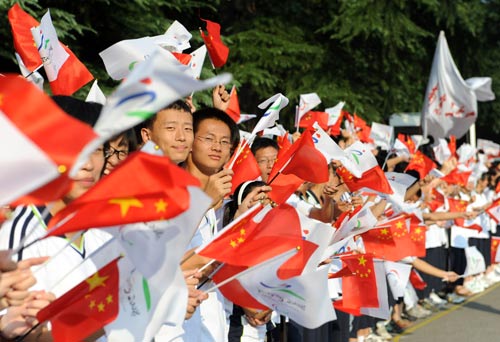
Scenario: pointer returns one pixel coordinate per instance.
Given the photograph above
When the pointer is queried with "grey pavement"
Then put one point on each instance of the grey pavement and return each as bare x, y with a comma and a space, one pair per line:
477, 319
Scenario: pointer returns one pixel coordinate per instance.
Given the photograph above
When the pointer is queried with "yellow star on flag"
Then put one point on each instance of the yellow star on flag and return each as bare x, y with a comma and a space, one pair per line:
233, 243
399, 224
161, 205
362, 260
384, 231
100, 307
96, 280
126, 203
109, 299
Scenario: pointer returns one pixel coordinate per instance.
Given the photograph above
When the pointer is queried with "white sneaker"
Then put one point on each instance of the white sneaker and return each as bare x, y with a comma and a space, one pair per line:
436, 299
493, 276
474, 285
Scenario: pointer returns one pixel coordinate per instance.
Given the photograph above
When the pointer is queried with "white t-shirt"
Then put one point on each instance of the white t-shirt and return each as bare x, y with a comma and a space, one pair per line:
208, 323
61, 273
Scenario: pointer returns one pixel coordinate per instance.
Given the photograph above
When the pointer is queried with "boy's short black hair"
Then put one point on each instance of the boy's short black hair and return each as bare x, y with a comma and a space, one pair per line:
262, 142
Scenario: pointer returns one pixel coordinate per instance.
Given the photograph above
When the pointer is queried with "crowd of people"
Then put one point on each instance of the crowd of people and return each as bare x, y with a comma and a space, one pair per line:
443, 208
202, 142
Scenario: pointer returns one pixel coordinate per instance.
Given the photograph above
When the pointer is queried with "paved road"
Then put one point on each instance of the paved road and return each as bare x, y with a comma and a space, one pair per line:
477, 319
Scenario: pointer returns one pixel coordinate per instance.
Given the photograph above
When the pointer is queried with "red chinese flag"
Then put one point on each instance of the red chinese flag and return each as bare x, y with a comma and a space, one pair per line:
495, 241
456, 177
360, 289
249, 243
21, 102
143, 188
245, 168
408, 142
380, 243
86, 308
283, 142
309, 118
233, 109
494, 210
458, 206
373, 179
283, 186
417, 235
335, 128
217, 51
183, 58
416, 280
362, 129
303, 160
21, 24
233, 290
421, 163
72, 76
437, 200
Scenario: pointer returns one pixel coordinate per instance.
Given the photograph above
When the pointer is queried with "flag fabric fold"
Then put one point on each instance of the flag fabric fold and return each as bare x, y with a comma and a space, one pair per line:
143, 188
35, 155
217, 50
86, 308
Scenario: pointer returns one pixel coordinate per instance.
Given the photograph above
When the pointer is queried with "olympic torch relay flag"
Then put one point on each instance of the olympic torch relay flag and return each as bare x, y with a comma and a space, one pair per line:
143, 188
86, 308
450, 105
31, 153
52, 53
303, 298
271, 115
306, 103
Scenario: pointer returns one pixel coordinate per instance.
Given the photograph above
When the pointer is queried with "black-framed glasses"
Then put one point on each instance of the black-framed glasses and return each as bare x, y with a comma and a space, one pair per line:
120, 154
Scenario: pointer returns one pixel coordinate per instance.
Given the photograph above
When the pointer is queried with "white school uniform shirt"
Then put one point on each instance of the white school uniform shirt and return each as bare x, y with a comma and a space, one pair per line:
59, 274
435, 236
208, 323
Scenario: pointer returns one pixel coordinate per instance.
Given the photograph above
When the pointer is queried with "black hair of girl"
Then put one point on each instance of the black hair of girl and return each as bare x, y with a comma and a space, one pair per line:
232, 206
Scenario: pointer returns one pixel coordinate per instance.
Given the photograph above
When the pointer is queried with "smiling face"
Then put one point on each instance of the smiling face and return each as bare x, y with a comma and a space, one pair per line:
211, 146
172, 131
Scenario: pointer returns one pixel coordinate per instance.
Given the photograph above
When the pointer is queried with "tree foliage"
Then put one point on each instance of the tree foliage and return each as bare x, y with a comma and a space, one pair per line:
375, 55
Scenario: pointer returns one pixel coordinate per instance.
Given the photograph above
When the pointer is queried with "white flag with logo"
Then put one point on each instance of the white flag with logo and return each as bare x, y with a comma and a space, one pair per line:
304, 298
450, 104
475, 261
272, 114
316, 232
398, 274
34, 77
151, 86
175, 39
382, 135
197, 60
51, 51
95, 94
152, 289
123, 57
361, 222
334, 113
306, 103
